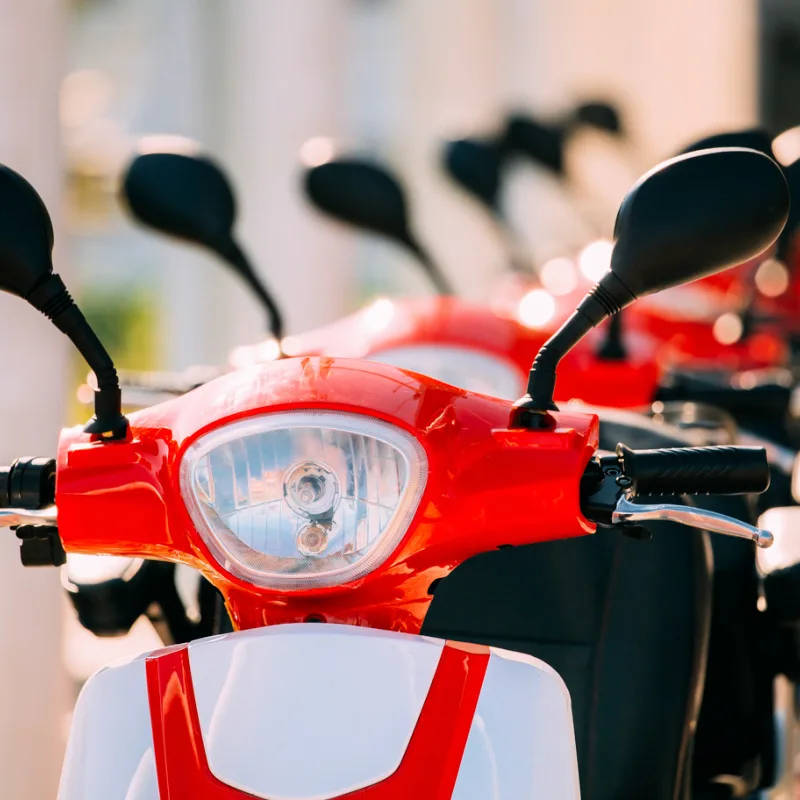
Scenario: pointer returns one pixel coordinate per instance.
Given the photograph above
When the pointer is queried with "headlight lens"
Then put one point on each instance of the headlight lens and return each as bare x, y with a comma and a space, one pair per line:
459, 366
303, 499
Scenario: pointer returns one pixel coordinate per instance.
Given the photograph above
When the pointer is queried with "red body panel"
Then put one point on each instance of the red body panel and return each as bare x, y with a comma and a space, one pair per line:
449, 321
429, 768
487, 486
655, 339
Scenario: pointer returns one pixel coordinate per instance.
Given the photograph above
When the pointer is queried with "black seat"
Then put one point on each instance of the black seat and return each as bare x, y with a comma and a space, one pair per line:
735, 738
735, 732
625, 624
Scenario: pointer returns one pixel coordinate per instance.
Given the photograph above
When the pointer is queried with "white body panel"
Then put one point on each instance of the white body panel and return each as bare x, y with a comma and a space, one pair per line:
522, 742
311, 712
110, 751
465, 367
292, 713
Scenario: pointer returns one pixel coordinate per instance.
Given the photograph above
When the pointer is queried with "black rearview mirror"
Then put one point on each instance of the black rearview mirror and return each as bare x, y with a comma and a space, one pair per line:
190, 197
689, 217
751, 138
361, 194
184, 196
26, 235
367, 196
26, 270
697, 214
476, 165
541, 143
600, 115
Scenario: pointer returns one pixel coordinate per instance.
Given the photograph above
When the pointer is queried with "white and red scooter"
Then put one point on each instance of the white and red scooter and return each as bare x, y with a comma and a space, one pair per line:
319, 490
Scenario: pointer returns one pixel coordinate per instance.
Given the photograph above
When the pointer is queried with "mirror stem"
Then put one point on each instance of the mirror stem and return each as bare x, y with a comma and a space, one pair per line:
236, 257
603, 300
51, 297
437, 277
613, 345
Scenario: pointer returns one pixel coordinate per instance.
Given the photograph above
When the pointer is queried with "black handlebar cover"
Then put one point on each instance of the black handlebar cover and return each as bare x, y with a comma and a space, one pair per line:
28, 483
695, 470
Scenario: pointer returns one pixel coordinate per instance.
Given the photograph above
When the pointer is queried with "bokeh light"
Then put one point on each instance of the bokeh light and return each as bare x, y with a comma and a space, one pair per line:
317, 151
558, 276
595, 259
536, 308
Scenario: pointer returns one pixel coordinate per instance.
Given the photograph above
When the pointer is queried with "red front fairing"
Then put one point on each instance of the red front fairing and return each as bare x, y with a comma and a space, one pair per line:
487, 486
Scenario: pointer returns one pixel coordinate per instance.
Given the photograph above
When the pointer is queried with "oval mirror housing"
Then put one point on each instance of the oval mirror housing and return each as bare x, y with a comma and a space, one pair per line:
687, 218
367, 196
26, 270
185, 196
541, 143
26, 235
695, 215
476, 166
600, 115
362, 194
751, 138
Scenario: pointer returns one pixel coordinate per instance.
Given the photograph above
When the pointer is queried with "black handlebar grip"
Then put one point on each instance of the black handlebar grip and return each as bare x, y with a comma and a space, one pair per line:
28, 483
695, 470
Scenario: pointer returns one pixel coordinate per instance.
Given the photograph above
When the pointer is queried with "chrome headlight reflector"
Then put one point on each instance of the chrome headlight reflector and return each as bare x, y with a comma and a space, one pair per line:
298, 500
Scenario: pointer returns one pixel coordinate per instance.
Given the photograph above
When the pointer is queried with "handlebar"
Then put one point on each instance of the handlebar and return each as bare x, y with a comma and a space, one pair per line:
611, 483
695, 470
29, 483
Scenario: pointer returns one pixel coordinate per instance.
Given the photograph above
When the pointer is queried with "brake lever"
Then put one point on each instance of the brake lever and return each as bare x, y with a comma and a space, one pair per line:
628, 512
9, 517
606, 494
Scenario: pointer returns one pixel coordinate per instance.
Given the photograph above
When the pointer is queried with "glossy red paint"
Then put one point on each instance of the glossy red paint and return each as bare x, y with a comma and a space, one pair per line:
686, 340
428, 770
497, 332
487, 486
181, 763
659, 334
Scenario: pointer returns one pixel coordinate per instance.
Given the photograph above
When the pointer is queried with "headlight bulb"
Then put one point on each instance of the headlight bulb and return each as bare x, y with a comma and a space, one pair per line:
311, 490
312, 540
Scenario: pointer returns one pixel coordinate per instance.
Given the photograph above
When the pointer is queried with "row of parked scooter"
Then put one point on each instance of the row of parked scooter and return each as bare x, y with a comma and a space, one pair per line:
507, 613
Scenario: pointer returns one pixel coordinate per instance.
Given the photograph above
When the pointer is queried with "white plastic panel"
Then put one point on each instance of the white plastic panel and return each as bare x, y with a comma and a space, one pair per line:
784, 524
110, 751
465, 367
309, 712
522, 742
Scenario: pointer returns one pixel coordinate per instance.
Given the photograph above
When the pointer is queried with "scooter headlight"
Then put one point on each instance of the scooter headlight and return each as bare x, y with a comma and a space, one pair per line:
305, 499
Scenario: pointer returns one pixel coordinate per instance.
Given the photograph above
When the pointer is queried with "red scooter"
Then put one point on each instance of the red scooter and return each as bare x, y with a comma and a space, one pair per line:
341, 491
458, 365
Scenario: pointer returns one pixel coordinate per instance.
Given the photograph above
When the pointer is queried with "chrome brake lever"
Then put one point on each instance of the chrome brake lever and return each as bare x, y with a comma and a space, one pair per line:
22, 516
626, 511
